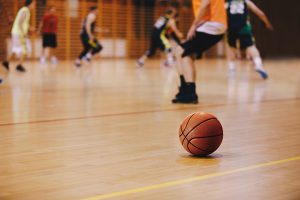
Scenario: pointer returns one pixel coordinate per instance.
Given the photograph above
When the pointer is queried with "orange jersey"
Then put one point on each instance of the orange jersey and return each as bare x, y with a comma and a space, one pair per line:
216, 11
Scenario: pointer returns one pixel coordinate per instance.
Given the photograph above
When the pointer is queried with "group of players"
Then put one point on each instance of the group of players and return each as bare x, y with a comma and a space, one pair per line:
213, 19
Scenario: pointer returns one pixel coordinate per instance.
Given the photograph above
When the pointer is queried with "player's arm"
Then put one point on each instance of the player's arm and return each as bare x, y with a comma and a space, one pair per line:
21, 21
260, 14
41, 24
173, 26
88, 26
198, 18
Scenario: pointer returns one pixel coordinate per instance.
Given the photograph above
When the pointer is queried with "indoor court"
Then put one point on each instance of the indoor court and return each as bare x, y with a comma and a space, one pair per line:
107, 129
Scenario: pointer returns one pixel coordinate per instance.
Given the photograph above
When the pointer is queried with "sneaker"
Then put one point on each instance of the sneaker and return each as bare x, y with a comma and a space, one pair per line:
20, 68
5, 64
1, 81
54, 60
78, 63
187, 99
140, 63
42, 60
262, 73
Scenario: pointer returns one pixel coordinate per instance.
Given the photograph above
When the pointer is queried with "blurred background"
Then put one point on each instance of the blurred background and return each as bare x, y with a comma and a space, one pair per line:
127, 26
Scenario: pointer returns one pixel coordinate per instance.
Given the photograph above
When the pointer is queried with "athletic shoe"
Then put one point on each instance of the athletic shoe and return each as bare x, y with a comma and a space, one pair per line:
54, 60
5, 64
186, 99
1, 81
140, 63
78, 63
262, 73
42, 60
187, 95
20, 68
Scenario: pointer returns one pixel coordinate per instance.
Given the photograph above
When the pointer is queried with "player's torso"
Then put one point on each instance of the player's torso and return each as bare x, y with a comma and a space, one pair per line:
237, 12
25, 24
93, 25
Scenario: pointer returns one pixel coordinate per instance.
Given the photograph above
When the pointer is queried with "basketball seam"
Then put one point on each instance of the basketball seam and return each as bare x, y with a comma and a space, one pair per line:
185, 136
185, 125
205, 137
196, 147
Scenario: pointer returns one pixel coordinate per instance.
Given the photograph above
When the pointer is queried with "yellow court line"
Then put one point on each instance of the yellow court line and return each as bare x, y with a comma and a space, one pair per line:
189, 180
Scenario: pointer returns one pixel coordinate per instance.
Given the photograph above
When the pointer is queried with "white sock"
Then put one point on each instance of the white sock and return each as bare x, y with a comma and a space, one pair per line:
231, 65
258, 64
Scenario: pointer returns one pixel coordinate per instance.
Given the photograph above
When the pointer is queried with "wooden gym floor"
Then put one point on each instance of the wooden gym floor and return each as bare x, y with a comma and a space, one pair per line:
109, 131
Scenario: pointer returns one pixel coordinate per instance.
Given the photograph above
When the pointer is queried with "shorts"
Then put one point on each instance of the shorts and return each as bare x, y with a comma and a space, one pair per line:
49, 40
20, 44
158, 41
200, 43
243, 36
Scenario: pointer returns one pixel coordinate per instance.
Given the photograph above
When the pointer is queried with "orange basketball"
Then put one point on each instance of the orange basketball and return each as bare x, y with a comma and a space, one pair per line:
201, 133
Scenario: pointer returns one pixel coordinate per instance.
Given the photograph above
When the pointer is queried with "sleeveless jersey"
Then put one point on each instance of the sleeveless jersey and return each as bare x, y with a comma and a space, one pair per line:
25, 26
83, 29
237, 14
216, 11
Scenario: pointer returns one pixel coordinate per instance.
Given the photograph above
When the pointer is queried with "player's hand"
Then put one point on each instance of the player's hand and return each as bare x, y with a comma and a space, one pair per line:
191, 32
270, 27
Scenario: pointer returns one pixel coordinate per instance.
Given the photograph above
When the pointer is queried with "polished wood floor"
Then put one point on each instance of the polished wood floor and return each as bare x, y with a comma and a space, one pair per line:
110, 129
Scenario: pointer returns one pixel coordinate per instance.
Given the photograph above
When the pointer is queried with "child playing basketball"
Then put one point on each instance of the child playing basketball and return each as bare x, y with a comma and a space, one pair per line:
19, 34
207, 29
90, 43
239, 30
48, 26
159, 38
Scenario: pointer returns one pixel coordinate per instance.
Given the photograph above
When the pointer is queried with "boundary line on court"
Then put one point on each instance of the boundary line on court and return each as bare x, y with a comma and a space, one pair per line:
190, 180
187, 107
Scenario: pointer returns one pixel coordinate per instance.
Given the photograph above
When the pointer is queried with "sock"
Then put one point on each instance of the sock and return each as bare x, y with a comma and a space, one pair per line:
231, 66
182, 80
258, 64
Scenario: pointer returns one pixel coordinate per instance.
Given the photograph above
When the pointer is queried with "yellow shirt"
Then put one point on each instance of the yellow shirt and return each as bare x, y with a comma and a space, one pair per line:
16, 27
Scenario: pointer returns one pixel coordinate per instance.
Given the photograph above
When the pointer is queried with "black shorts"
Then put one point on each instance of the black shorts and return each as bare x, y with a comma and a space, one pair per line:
245, 40
158, 41
49, 40
199, 44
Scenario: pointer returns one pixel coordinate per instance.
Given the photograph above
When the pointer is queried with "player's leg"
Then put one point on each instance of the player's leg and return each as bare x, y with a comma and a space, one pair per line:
52, 49
197, 45
165, 45
231, 51
255, 55
97, 47
86, 49
247, 42
151, 51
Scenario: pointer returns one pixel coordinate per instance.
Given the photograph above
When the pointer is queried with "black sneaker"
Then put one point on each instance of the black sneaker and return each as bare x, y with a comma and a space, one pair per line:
5, 64
20, 68
1, 80
187, 99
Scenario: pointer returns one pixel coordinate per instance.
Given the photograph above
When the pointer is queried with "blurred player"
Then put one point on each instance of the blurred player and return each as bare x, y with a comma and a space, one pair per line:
207, 29
159, 38
90, 43
239, 30
48, 27
19, 34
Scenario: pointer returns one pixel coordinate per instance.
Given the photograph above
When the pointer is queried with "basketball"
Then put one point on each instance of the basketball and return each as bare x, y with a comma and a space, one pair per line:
201, 133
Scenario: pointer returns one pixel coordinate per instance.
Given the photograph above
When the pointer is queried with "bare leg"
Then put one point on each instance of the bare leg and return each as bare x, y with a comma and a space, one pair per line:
231, 58
255, 55
187, 67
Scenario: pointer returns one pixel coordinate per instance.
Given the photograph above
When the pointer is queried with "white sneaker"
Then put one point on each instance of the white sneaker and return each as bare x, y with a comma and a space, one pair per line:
54, 60
42, 60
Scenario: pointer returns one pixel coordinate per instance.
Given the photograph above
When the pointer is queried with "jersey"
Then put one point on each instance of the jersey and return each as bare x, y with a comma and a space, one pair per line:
25, 26
93, 24
215, 12
238, 16
50, 22
161, 24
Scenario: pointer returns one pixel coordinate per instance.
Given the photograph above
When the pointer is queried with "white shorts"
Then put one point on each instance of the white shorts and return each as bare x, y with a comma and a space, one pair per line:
20, 45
